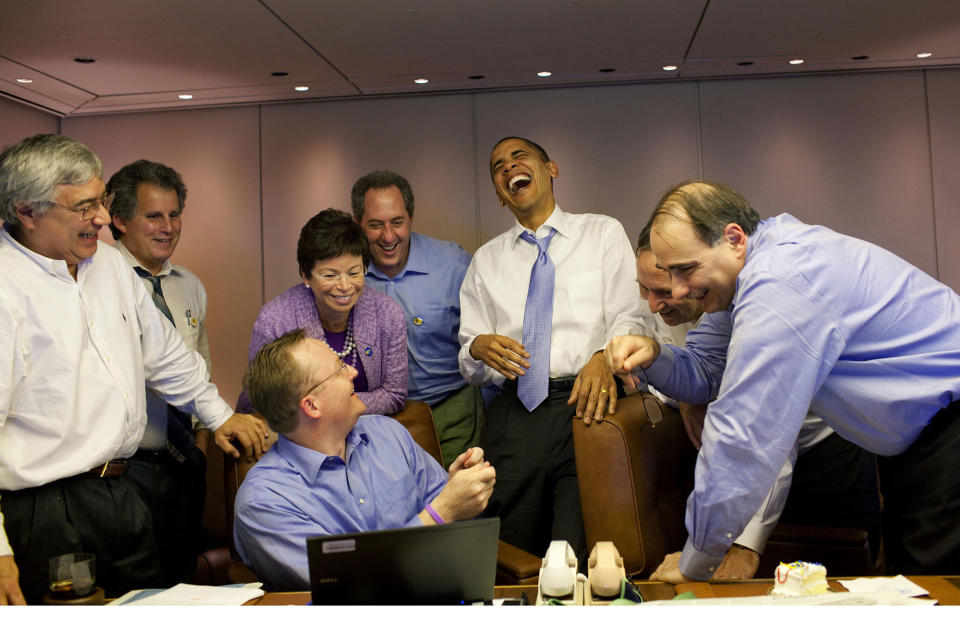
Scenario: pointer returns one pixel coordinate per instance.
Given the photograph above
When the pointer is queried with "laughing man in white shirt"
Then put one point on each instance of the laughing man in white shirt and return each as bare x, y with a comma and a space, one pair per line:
594, 298
79, 338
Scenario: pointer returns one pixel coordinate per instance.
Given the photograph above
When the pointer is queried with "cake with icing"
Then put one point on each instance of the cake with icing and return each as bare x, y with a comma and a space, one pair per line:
799, 579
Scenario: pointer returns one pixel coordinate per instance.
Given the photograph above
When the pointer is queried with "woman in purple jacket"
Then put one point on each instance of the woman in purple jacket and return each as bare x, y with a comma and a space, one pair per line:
363, 326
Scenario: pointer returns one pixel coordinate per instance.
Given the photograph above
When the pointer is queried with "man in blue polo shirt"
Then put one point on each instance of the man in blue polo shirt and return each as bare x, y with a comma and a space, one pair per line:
423, 275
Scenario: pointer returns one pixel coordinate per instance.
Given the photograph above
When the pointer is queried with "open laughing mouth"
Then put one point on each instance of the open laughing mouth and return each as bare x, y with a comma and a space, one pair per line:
389, 249
519, 182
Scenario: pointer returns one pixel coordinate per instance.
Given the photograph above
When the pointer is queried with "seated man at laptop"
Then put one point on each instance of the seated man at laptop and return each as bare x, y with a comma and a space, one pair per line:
334, 470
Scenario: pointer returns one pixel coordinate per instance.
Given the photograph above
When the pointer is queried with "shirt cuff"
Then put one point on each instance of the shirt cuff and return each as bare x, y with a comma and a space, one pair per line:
222, 413
658, 372
755, 536
5, 549
696, 565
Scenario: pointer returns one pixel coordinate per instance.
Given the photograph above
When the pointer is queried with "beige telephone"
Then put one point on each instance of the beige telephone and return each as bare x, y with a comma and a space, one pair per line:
605, 570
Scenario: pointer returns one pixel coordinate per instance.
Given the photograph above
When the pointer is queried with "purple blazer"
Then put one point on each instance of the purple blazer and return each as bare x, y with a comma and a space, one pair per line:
378, 330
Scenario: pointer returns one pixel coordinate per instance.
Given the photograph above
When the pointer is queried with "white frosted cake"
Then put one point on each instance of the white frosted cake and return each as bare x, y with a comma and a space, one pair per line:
799, 579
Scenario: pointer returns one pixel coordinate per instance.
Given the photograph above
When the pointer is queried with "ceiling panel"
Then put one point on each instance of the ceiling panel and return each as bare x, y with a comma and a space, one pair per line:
224, 51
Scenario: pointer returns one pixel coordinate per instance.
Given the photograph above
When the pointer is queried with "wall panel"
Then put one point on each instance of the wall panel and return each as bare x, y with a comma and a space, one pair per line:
846, 151
18, 121
313, 153
943, 90
217, 153
617, 147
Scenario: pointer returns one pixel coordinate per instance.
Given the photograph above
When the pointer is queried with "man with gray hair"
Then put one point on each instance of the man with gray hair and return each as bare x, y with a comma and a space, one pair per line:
79, 338
169, 468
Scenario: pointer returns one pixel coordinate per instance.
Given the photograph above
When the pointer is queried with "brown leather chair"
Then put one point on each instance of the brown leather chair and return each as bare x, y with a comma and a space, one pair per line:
514, 565
635, 477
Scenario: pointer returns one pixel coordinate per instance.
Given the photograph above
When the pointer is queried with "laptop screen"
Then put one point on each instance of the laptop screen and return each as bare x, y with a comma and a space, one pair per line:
454, 563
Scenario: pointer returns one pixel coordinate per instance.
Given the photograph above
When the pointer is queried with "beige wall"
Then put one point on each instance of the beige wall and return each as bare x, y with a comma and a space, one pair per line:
18, 121
218, 154
872, 155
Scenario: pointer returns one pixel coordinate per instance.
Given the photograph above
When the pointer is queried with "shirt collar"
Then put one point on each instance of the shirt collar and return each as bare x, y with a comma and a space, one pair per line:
166, 269
309, 462
558, 219
55, 267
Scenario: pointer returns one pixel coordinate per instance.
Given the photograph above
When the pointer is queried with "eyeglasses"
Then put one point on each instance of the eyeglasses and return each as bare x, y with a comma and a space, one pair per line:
343, 366
89, 209
332, 279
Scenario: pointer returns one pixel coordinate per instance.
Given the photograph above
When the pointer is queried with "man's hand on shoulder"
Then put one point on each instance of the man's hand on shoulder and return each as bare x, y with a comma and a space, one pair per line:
10, 582
467, 492
740, 563
249, 430
502, 353
594, 390
624, 353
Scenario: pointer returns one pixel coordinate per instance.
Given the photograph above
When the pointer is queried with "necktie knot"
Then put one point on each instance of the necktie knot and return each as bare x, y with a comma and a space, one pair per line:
543, 243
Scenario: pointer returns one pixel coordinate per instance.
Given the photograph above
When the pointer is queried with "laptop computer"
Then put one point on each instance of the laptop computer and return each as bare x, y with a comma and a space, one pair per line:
454, 563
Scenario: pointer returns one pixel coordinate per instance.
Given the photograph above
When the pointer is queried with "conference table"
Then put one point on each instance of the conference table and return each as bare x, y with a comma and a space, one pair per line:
945, 589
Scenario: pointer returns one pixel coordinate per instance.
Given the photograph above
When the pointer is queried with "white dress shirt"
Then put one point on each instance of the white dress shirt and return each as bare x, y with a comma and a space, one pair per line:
74, 358
187, 300
595, 294
757, 532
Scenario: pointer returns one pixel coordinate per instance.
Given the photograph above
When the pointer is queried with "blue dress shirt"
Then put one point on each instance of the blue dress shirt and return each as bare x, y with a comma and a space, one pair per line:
294, 493
428, 290
822, 321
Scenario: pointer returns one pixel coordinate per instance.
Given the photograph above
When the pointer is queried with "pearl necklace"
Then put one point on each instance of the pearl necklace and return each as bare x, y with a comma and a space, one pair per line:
348, 345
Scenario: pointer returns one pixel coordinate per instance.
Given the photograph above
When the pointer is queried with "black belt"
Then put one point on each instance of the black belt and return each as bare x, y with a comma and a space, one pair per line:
556, 385
561, 384
158, 455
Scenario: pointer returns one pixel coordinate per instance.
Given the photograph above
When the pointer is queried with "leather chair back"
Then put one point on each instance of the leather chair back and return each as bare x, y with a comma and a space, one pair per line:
417, 417
635, 477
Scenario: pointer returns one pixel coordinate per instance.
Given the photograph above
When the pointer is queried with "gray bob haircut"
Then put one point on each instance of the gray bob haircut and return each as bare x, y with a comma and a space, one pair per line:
31, 171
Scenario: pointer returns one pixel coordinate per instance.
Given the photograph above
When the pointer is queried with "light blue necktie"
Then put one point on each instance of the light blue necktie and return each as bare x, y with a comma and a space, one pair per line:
533, 386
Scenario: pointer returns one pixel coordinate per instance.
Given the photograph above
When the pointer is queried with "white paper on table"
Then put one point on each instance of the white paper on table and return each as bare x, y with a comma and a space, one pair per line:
201, 595
899, 583
831, 598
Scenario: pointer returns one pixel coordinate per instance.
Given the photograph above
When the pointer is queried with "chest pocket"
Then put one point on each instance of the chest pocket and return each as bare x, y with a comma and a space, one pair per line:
433, 321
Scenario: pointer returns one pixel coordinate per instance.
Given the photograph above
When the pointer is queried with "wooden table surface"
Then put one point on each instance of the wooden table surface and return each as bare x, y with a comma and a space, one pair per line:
945, 589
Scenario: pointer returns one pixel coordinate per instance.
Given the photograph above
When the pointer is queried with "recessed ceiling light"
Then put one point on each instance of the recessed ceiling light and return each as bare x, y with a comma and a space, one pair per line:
24, 81
185, 97
796, 62
544, 73
924, 55
301, 88
279, 73
669, 67
421, 80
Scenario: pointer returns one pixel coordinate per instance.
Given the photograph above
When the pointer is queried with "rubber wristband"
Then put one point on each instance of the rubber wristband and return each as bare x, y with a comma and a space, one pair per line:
433, 513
